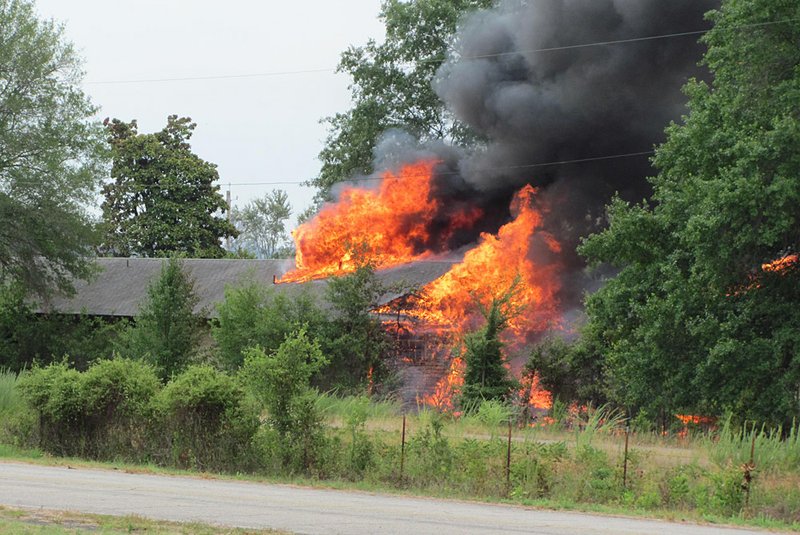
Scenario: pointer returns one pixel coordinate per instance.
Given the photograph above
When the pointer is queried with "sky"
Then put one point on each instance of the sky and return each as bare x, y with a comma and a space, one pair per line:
255, 128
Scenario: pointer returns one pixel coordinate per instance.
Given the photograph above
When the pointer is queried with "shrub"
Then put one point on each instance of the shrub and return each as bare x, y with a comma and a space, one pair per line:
55, 393
116, 395
99, 413
210, 419
281, 382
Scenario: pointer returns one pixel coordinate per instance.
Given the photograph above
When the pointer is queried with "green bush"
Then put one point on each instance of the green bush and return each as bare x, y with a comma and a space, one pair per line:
205, 420
430, 454
116, 396
532, 475
281, 382
55, 393
254, 315
99, 413
722, 492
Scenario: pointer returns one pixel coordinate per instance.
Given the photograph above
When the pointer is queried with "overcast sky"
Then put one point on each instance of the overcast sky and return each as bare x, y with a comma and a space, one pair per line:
256, 128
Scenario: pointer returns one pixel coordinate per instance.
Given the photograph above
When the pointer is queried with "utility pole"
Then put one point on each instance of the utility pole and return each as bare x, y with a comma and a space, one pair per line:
228, 202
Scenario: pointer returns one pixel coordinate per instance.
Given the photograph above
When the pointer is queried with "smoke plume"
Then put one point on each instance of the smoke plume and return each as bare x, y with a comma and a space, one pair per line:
522, 78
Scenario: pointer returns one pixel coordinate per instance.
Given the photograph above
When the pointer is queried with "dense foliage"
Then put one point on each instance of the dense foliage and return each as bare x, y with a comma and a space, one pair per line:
162, 199
26, 337
356, 340
253, 315
51, 155
696, 319
486, 377
281, 380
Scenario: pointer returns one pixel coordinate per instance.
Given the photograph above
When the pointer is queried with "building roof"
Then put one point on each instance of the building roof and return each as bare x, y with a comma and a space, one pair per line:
120, 286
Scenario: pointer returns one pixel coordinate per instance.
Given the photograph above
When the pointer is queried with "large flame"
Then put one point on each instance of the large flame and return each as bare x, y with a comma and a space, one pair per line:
500, 264
517, 266
390, 223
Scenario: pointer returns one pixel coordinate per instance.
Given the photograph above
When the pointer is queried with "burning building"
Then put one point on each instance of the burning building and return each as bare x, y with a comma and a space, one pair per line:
570, 98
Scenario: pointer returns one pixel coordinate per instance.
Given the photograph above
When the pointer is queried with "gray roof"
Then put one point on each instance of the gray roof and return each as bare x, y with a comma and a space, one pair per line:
121, 284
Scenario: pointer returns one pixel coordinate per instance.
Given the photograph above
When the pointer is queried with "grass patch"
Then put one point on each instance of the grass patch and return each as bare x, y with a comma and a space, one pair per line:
46, 522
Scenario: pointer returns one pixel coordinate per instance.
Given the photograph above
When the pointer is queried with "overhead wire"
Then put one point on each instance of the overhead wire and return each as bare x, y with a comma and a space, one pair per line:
479, 56
307, 183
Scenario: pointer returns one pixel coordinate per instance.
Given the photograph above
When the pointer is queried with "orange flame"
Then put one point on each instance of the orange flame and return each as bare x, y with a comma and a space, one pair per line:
494, 266
448, 388
390, 223
694, 419
533, 393
780, 264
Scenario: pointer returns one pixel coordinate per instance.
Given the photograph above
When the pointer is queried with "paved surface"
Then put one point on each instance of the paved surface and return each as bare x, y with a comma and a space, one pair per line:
300, 510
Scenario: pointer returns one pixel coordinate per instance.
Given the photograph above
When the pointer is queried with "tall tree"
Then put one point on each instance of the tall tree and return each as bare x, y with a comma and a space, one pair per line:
704, 312
357, 339
391, 87
486, 376
51, 154
262, 225
166, 331
162, 199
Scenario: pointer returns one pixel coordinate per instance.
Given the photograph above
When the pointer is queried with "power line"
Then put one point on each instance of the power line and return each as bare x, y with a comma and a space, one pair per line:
522, 166
211, 77
480, 56
307, 183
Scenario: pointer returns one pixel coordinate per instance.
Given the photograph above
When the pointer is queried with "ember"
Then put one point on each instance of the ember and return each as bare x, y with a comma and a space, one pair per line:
781, 264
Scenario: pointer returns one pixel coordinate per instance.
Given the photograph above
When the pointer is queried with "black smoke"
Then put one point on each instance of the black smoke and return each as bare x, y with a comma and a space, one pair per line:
521, 78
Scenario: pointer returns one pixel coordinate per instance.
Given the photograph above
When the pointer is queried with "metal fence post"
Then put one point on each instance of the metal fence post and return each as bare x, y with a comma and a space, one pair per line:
508, 461
403, 448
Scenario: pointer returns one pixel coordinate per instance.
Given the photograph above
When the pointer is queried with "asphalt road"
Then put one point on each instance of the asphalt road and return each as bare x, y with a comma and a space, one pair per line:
296, 509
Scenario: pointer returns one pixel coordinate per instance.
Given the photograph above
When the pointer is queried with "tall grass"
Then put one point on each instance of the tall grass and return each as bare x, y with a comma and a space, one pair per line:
10, 400
600, 420
773, 449
333, 405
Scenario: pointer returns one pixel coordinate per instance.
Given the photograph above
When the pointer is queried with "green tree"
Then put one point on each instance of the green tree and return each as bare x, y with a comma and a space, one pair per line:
166, 330
697, 319
391, 87
571, 371
255, 315
281, 381
162, 199
356, 341
262, 226
486, 377
51, 155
